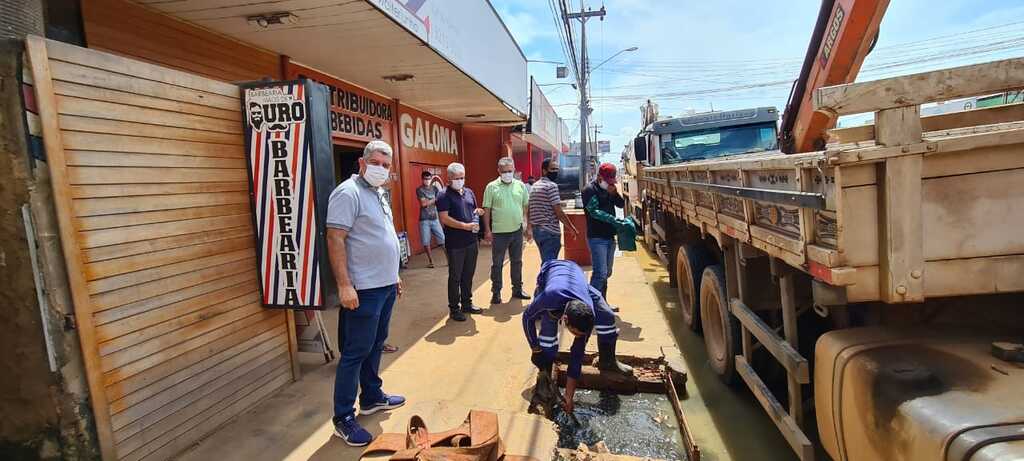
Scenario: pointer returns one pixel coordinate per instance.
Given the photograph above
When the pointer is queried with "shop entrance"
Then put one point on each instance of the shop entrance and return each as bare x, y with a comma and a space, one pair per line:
346, 161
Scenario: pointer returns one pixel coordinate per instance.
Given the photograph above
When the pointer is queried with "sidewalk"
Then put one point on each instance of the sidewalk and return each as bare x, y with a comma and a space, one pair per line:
445, 368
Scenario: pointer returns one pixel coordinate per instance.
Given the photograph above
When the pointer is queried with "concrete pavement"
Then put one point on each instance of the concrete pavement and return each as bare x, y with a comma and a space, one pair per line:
444, 368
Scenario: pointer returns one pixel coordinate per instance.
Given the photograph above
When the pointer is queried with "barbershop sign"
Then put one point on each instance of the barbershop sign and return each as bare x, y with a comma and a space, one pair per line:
287, 143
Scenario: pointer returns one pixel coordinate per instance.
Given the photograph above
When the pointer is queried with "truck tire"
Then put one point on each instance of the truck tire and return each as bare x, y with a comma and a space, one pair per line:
690, 261
721, 329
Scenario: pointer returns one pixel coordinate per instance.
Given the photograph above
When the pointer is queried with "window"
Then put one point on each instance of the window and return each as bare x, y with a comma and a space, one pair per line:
717, 142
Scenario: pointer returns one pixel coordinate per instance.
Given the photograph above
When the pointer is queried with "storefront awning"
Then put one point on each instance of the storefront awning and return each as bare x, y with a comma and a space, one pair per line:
457, 63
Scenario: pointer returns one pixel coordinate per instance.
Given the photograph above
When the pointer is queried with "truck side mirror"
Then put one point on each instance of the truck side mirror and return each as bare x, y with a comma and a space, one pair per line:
640, 148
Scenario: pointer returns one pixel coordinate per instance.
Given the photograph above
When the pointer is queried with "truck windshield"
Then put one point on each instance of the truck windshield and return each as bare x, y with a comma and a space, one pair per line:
717, 142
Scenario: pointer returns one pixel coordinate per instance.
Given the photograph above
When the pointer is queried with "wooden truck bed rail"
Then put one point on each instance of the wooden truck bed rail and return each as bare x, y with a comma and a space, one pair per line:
897, 218
903, 210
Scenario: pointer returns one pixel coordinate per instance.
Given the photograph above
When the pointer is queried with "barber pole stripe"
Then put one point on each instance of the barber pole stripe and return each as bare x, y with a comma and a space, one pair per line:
281, 162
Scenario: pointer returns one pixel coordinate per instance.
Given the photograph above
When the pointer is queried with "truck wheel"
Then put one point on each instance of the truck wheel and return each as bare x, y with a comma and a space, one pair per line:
721, 329
690, 263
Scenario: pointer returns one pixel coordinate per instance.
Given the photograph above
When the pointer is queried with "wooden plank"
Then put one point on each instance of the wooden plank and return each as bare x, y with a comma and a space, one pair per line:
111, 299
858, 232
173, 313
170, 299
161, 358
69, 105
120, 205
898, 126
89, 223
199, 314
974, 215
146, 418
130, 279
794, 363
981, 160
997, 274
856, 175
125, 250
102, 78
132, 190
796, 438
959, 143
123, 357
233, 365
921, 88
129, 392
293, 344
139, 70
116, 97
940, 122
102, 269
128, 175
157, 435
151, 381
77, 140
787, 293
901, 250
98, 238
793, 259
787, 243
103, 126
214, 417
827, 257
38, 56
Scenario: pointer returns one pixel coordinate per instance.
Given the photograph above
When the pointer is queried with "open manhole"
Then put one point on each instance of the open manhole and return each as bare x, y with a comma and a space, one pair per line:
639, 417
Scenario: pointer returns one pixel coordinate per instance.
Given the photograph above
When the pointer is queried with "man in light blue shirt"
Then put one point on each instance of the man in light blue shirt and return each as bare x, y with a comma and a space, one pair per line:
364, 253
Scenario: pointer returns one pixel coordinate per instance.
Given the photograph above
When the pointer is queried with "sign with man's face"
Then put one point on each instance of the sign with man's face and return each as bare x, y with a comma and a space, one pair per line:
289, 207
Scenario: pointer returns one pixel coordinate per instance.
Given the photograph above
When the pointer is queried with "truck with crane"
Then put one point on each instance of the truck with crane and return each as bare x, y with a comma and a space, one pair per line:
864, 283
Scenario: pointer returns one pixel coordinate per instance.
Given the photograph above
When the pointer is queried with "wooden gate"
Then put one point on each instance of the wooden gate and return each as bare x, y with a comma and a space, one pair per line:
149, 180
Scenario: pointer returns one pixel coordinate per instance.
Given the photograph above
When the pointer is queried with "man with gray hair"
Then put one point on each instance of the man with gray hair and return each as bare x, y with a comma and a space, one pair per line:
460, 218
506, 224
364, 253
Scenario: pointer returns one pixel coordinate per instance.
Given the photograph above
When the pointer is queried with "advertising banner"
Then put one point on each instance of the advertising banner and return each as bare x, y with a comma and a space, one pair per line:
543, 121
469, 34
356, 114
291, 175
428, 139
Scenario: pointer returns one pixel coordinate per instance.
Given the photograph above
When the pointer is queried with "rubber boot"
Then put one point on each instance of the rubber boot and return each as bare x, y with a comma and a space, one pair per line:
606, 360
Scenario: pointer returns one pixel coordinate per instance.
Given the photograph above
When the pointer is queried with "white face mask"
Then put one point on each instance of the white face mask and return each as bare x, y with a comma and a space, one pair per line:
457, 184
376, 175
602, 184
506, 177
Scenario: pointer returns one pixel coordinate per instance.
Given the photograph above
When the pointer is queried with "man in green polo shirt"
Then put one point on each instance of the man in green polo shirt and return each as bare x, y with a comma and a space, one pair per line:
506, 224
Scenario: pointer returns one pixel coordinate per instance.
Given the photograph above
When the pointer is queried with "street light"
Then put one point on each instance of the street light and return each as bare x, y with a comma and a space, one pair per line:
632, 48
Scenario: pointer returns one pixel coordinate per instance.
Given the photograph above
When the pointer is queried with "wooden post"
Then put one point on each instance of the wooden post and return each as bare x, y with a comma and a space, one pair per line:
787, 293
901, 250
52, 140
736, 284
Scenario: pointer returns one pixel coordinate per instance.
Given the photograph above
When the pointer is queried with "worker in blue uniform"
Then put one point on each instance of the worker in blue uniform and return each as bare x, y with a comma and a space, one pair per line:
563, 295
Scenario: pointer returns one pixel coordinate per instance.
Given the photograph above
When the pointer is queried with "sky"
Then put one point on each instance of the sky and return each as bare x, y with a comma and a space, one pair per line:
730, 54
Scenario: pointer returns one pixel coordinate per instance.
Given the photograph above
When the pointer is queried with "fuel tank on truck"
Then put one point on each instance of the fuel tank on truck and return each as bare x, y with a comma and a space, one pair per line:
917, 394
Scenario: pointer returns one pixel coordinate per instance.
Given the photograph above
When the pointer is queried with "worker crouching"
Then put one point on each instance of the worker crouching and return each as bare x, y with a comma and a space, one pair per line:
563, 295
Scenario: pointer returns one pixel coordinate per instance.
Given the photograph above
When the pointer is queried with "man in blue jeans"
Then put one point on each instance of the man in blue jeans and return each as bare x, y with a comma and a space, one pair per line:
600, 198
545, 210
364, 253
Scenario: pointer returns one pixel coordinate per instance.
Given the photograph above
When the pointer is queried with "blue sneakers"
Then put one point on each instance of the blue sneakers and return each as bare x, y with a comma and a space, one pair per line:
352, 433
390, 402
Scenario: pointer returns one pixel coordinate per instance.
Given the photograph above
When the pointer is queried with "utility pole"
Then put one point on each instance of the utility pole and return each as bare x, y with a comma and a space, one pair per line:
584, 77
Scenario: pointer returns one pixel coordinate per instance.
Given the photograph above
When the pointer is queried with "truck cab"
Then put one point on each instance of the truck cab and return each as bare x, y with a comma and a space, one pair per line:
713, 135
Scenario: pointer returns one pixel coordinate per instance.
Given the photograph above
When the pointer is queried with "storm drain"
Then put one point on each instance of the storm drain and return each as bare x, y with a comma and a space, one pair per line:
638, 416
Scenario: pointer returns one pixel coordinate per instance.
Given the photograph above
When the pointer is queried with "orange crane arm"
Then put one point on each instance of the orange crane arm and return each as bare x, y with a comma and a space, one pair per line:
845, 33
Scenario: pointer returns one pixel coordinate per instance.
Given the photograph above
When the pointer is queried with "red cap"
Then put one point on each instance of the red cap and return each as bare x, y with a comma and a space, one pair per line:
607, 172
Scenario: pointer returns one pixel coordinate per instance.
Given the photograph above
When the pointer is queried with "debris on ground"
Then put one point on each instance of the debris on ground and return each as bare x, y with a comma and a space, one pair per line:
599, 452
477, 439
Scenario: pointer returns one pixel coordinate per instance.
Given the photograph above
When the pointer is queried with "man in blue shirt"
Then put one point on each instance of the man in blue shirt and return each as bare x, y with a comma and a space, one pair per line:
563, 294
